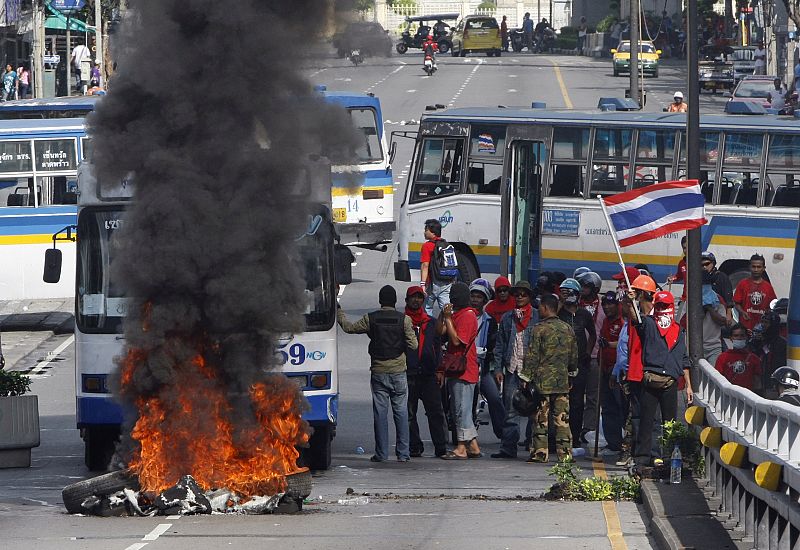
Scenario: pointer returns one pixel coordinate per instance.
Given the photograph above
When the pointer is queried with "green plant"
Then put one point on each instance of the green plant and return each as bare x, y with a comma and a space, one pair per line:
14, 383
678, 433
606, 23
487, 5
565, 470
625, 487
595, 488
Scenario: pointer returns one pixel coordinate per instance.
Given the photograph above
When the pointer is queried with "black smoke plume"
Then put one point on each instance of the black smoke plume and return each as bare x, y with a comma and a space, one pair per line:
209, 110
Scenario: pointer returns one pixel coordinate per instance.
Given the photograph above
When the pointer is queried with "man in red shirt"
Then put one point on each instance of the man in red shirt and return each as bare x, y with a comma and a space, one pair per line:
436, 292
680, 274
610, 397
754, 294
738, 364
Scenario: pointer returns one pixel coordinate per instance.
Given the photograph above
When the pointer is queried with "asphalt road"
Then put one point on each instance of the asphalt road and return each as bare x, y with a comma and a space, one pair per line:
426, 503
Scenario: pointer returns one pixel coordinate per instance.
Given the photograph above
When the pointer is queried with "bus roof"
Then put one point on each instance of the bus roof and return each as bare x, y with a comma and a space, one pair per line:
78, 103
488, 115
352, 99
44, 126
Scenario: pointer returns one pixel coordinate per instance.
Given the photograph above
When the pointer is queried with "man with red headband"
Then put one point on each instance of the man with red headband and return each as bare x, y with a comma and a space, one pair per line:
664, 360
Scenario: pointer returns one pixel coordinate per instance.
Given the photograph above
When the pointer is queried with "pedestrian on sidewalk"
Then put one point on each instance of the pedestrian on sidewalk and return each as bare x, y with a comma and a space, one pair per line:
504, 33
513, 336
479, 295
551, 362
583, 31
391, 333
9, 83
422, 384
458, 324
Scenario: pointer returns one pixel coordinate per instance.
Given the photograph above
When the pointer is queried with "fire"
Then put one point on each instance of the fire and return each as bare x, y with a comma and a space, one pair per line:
192, 425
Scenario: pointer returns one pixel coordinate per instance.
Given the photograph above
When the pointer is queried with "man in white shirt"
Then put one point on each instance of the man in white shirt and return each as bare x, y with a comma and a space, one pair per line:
760, 55
777, 97
82, 61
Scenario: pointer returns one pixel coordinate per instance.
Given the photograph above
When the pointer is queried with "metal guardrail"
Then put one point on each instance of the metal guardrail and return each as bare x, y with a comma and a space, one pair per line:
770, 432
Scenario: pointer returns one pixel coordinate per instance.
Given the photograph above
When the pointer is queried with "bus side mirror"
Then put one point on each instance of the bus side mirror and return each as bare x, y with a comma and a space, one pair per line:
52, 265
343, 264
392, 152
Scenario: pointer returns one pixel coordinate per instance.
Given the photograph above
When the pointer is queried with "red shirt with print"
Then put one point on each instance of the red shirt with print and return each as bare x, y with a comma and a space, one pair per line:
610, 332
754, 298
465, 322
680, 275
426, 255
740, 367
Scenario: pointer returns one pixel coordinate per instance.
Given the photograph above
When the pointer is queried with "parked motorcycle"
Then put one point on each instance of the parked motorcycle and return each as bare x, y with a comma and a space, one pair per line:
545, 41
429, 65
356, 58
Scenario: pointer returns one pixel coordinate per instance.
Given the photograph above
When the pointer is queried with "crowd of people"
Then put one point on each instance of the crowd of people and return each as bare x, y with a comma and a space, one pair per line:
577, 352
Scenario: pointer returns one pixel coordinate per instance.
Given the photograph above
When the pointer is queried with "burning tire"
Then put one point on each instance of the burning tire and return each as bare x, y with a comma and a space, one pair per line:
74, 495
298, 485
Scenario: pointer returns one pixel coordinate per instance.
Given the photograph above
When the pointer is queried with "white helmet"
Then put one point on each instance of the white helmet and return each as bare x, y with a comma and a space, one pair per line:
678, 95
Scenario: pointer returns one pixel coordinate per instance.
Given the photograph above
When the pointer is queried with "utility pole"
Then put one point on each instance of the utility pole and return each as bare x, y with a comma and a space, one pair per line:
634, 65
98, 39
68, 59
37, 51
694, 274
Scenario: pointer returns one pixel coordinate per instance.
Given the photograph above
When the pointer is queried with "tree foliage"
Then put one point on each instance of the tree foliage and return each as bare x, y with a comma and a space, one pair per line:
793, 9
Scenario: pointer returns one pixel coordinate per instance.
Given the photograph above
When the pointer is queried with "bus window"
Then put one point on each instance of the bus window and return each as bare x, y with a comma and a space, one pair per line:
740, 168
783, 190
709, 147
570, 143
783, 171
483, 178
613, 146
366, 123
608, 179
487, 141
784, 152
568, 168
566, 180
439, 171
648, 175
743, 150
656, 144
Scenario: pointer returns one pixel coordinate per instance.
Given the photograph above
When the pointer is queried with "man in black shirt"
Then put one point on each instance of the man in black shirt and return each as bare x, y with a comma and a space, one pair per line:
719, 282
582, 323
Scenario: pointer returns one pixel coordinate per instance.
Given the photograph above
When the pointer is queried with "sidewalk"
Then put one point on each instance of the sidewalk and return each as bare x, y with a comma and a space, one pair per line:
680, 518
53, 315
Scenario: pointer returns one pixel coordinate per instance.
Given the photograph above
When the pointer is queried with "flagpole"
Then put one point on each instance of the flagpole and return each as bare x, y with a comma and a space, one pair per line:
619, 253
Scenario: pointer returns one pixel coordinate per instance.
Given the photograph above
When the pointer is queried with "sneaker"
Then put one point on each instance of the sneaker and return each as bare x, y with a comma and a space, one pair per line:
658, 462
376, 458
417, 454
403, 459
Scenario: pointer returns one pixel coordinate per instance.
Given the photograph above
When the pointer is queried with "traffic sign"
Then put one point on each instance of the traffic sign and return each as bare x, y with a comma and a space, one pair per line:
67, 6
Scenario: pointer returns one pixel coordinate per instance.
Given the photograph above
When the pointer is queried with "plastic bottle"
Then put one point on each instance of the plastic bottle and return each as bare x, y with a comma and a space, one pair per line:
354, 501
360, 450
676, 464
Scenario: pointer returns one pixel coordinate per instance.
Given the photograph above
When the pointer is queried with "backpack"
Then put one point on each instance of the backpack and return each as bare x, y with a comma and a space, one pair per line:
444, 263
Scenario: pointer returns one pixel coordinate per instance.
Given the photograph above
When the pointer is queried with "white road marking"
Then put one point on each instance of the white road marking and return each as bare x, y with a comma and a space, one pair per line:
341, 290
512, 76
39, 368
343, 79
315, 73
512, 91
174, 517
137, 546
382, 80
42, 502
410, 91
160, 529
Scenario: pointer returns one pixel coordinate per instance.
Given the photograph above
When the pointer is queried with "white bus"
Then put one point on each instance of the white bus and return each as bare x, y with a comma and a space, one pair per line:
309, 359
516, 189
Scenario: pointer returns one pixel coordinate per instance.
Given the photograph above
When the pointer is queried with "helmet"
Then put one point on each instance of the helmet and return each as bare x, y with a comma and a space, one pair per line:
786, 376
475, 287
591, 279
571, 284
485, 284
780, 306
610, 297
645, 283
678, 95
525, 401
580, 271
709, 256
664, 297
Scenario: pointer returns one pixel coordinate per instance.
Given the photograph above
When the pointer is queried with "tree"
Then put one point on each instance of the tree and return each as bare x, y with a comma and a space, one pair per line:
793, 9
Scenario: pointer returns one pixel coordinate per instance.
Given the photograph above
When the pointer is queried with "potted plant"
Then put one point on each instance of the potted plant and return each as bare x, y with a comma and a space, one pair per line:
19, 420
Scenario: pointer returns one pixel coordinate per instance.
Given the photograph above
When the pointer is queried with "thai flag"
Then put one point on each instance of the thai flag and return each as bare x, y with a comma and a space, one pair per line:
656, 210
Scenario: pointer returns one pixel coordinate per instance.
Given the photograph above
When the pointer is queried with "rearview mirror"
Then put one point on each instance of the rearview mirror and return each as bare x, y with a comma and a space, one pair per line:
52, 265
613, 50
392, 152
342, 264
658, 52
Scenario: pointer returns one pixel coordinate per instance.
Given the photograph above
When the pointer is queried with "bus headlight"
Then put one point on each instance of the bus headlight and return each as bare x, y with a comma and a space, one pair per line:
94, 383
320, 381
301, 380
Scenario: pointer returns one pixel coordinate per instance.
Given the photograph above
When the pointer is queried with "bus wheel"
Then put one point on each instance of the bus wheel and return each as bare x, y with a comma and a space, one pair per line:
469, 271
74, 495
320, 448
100, 444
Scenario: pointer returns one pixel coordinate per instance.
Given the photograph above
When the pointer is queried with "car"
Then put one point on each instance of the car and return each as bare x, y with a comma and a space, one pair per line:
648, 58
754, 89
369, 38
427, 24
476, 33
744, 62
715, 68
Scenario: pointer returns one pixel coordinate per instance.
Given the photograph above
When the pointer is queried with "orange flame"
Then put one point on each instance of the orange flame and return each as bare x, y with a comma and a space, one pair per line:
189, 427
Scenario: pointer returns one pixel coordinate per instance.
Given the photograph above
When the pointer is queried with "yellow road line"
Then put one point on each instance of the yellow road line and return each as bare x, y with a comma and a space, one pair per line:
613, 524
564, 92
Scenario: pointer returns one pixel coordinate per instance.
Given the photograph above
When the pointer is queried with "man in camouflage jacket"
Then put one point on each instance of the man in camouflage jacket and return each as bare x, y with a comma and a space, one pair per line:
551, 360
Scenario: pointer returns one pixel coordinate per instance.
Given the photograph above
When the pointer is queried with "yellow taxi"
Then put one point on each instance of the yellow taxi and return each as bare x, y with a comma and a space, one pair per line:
648, 58
476, 33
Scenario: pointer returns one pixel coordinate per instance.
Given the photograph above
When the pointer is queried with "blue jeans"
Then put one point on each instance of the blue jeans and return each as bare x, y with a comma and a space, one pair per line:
437, 294
461, 394
611, 412
390, 390
497, 410
510, 438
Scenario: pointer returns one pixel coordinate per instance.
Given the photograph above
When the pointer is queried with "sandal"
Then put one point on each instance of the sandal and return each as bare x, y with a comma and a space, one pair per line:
474, 455
450, 455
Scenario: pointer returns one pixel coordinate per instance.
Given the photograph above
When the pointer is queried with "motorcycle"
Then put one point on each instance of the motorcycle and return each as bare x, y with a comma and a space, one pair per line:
545, 41
429, 65
356, 58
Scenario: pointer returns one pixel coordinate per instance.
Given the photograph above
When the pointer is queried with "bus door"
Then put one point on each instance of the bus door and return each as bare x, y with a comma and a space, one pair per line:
522, 201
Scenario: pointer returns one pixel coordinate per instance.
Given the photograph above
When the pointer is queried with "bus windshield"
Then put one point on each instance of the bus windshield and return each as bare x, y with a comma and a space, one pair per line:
316, 257
366, 123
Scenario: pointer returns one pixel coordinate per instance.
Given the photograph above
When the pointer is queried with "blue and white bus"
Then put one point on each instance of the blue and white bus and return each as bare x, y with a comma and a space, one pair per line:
56, 107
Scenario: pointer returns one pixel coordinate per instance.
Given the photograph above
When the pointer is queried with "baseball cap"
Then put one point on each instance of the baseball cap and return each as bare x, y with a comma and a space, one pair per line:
631, 271
414, 290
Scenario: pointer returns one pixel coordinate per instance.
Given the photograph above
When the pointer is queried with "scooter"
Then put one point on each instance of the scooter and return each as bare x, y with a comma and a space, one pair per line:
356, 58
429, 66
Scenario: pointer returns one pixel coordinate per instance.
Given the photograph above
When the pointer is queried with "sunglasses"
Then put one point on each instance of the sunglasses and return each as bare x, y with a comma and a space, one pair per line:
706, 264
503, 289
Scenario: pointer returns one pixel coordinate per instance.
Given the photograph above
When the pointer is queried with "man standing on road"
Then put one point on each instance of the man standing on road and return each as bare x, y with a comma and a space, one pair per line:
760, 55
391, 333
480, 293
550, 362
504, 33
513, 336
527, 29
753, 295
422, 385
590, 301
437, 286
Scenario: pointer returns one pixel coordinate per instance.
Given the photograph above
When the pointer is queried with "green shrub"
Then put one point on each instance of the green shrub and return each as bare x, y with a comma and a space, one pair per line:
677, 433
595, 488
606, 23
14, 383
569, 31
487, 5
625, 487
568, 486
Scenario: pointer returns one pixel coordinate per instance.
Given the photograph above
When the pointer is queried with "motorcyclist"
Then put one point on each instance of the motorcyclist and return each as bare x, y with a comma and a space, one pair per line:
541, 31
788, 382
440, 29
430, 47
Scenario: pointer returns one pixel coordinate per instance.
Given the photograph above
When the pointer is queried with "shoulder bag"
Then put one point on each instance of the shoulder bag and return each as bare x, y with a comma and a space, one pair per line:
454, 365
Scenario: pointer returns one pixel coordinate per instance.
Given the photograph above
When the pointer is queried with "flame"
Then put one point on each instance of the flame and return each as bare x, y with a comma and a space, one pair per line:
191, 426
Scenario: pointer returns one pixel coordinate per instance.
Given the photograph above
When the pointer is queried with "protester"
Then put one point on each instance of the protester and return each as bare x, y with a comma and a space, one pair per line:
753, 295
663, 359
781, 307
767, 343
680, 274
777, 96
738, 364
513, 336
610, 393
583, 325
590, 300
622, 287
527, 29
550, 362
714, 318
788, 383
391, 333
479, 295
458, 324
503, 301
438, 289
720, 283
422, 384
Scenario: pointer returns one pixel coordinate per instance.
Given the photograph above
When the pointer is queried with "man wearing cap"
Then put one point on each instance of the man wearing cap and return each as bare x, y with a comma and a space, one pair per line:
479, 295
678, 105
664, 359
513, 336
391, 333
611, 398
719, 282
421, 373
503, 301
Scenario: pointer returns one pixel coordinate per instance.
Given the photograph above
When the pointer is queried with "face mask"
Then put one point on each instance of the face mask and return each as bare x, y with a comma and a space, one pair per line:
783, 318
571, 300
739, 344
